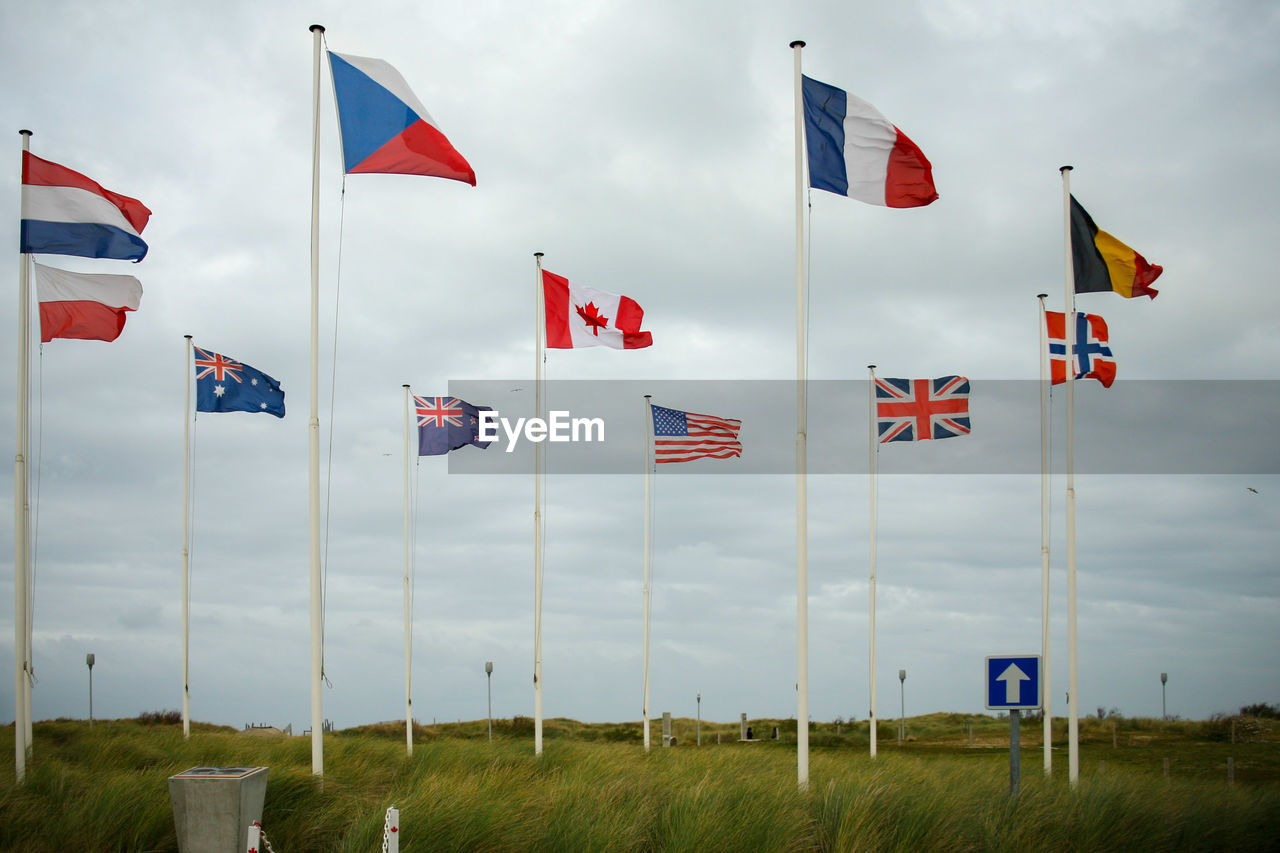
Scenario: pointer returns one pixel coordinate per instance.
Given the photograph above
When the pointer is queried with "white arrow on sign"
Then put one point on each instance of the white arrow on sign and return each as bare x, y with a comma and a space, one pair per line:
1013, 678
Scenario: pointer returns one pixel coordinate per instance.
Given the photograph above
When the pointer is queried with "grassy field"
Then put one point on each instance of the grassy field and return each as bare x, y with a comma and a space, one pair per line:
594, 788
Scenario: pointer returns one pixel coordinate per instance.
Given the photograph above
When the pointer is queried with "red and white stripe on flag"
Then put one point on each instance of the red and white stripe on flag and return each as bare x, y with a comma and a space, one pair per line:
580, 316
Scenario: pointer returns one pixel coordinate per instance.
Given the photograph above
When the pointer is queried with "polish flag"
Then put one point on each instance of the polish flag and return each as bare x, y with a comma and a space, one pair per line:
581, 316
82, 306
854, 151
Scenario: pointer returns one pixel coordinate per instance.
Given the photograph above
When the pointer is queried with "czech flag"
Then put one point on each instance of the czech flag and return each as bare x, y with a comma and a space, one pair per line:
384, 127
854, 151
1103, 264
66, 213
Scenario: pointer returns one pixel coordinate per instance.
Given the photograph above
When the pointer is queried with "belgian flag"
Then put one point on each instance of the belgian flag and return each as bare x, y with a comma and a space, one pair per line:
1103, 264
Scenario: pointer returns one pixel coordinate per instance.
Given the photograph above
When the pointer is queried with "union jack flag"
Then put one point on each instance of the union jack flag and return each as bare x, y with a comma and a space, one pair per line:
439, 411
219, 367
920, 409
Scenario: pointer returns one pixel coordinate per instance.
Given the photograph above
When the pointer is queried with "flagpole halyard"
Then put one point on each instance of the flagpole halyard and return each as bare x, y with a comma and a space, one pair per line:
802, 488
313, 428
1069, 306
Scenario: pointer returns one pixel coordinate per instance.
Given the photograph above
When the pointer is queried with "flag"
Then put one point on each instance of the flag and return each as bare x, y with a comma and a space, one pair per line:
226, 385
66, 213
447, 423
84, 307
920, 409
1104, 264
1093, 358
681, 436
854, 151
385, 128
581, 316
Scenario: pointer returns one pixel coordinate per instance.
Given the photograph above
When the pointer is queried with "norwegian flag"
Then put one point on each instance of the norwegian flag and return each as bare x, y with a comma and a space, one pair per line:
920, 409
1093, 349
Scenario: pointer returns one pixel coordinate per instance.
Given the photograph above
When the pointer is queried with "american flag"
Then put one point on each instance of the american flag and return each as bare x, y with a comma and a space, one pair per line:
919, 409
681, 436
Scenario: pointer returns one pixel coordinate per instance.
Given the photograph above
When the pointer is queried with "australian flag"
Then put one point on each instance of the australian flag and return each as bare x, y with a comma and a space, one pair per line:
447, 423
919, 409
226, 385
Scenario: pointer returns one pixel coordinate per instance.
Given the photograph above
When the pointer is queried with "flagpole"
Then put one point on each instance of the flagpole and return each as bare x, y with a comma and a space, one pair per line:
313, 427
871, 583
186, 550
1046, 692
802, 486
648, 561
1069, 318
537, 514
21, 530
408, 616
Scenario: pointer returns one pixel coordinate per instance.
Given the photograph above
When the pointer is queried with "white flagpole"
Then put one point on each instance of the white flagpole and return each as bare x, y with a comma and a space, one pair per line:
802, 486
537, 516
408, 616
871, 583
313, 428
186, 549
648, 572
21, 530
1046, 691
1069, 320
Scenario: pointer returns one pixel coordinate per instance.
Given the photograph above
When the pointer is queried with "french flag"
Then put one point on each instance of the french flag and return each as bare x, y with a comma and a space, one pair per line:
385, 128
83, 306
66, 213
854, 151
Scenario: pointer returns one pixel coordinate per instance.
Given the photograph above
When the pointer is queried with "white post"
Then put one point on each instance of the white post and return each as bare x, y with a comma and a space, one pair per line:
537, 515
313, 428
1046, 692
871, 582
408, 614
186, 549
1069, 321
392, 831
802, 486
21, 529
648, 561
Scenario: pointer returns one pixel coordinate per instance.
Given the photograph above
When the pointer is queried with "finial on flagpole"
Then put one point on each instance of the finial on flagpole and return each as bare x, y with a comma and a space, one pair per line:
405, 385
1042, 296
25, 132
797, 43
871, 367
537, 254
316, 28
188, 337
1065, 168
647, 396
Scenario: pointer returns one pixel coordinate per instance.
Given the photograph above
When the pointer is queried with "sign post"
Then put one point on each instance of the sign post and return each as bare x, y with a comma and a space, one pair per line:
1014, 685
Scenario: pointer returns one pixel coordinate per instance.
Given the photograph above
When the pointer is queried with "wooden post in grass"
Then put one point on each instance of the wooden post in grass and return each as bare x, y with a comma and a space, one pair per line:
1015, 751
1166, 768
1231, 771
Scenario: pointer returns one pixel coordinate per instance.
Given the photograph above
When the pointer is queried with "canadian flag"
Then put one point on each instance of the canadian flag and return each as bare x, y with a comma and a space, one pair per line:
581, 316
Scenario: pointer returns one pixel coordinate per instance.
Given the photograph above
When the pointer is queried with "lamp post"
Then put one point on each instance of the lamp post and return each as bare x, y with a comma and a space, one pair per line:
488, 672
902, 706
699, 719
1164, 677
88, 659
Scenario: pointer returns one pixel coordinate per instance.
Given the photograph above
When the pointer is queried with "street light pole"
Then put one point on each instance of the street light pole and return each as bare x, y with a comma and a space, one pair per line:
88, 659
901, 701
488, 672
699, 719
1164, 677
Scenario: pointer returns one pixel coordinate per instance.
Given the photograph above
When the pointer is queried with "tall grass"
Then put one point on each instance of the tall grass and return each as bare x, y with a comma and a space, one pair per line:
106, 790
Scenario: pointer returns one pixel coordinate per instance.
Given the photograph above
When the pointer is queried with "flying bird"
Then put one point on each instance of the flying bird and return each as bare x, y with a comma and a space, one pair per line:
1252, 489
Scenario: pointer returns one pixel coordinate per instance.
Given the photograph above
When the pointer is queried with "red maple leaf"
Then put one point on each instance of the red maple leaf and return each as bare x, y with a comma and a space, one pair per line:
590, 315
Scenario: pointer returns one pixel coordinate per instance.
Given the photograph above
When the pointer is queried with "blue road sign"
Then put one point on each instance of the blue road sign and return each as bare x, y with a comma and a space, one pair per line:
1013, 682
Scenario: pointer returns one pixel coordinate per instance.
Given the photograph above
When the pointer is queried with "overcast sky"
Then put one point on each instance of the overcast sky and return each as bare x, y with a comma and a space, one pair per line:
647, 150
